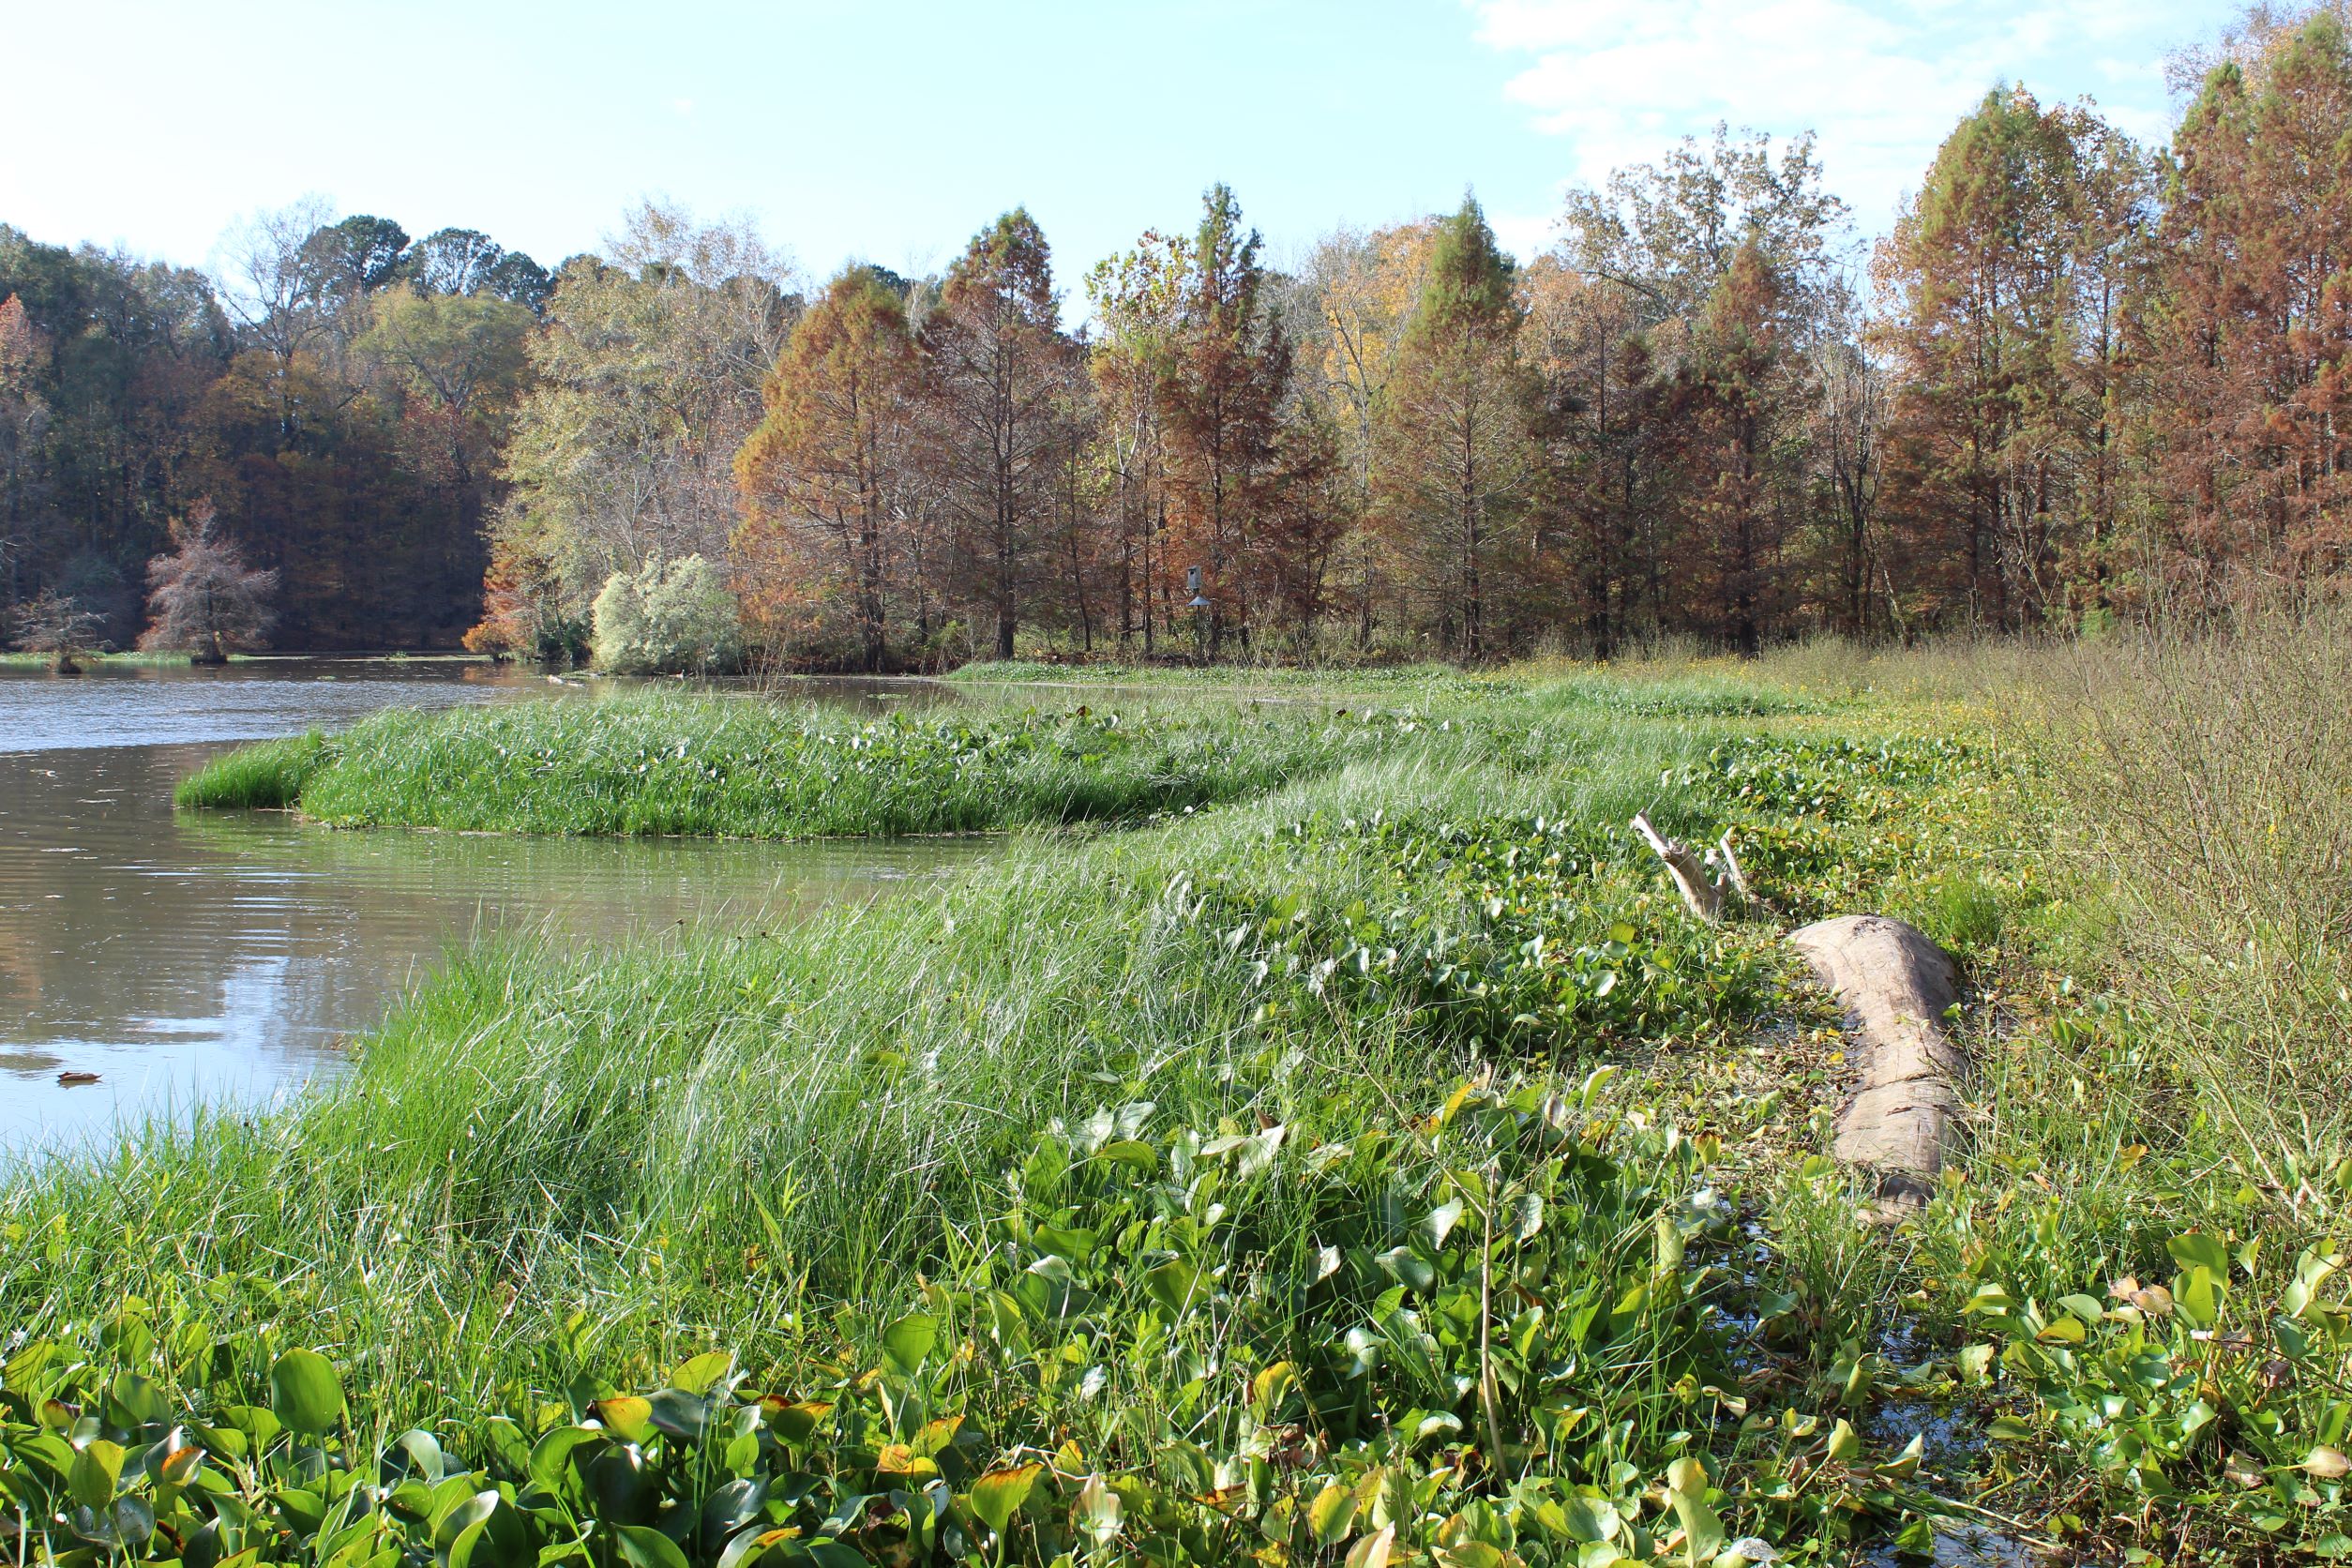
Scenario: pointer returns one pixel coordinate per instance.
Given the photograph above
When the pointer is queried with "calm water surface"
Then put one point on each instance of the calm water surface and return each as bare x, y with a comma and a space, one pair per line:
223, 958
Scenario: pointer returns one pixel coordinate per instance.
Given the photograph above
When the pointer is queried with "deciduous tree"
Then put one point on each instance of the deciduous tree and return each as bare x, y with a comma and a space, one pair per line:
1456, 451
998, 370
1622, 307
1731, 400
201, 597
2007, 276
1224, 380
460, 363
1361, 289
24, 419
825, 476
2248, 352
56, 625
646, 379
1138, 296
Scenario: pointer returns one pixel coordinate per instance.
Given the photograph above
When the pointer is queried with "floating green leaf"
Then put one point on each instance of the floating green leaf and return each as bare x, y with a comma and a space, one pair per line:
95, 1471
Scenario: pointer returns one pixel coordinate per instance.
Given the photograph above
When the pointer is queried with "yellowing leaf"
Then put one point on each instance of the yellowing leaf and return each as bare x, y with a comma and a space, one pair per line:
899, 1459
1373, 1550
629, 1415
795, 1422
1270, 1385
1330, 1513
997, 1496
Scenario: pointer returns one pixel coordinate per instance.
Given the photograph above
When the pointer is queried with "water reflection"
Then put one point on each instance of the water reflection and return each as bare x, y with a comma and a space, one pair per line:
224, 957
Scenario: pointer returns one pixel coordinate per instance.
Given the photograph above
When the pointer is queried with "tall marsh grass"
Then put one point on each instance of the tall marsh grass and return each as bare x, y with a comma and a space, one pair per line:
265, 775
659, 763
546, 1159
2208, 781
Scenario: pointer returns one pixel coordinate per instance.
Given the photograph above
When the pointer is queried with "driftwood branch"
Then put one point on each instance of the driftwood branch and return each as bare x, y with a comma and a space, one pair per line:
1732, 876
1701, 888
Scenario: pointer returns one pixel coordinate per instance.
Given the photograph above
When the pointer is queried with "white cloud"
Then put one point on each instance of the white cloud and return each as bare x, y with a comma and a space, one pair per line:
1882, 82
1525, 235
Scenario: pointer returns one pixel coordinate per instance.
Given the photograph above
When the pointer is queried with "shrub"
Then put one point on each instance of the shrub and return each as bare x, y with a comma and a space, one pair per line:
2208, 770
667, 619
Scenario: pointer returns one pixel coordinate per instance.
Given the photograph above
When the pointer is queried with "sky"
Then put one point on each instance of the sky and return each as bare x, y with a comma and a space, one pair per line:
891, 132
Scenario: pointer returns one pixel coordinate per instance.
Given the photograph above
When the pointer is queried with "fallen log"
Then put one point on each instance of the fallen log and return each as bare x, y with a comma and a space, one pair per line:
1895, 984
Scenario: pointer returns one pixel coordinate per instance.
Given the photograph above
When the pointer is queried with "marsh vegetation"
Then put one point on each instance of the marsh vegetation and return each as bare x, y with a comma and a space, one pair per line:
1374, 1162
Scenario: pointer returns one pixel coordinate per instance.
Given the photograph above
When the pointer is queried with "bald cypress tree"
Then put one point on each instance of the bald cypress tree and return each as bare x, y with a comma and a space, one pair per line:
998, 370
2249, 316
2008, 273
824, 475
1224, 376
1458, 454
201, 597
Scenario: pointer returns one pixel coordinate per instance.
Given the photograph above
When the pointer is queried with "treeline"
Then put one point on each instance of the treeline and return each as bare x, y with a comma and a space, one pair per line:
2078, 376
342, 398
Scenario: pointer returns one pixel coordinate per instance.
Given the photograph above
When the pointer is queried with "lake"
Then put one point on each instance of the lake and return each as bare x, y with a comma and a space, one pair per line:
226, 958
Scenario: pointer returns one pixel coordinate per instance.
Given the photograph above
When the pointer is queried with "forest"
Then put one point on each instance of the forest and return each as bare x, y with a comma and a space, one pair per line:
2077, 379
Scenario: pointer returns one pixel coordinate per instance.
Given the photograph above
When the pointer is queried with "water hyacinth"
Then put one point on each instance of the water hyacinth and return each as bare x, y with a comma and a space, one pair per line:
1461, 1363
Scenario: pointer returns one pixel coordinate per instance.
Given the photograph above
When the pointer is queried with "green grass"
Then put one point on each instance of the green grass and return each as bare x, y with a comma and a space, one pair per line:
265, 775
555, 1174
657, 763
1396, 678
1247, 1173
1684, 688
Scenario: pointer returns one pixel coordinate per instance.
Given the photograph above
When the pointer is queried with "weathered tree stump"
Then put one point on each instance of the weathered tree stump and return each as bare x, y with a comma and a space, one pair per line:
1895, 985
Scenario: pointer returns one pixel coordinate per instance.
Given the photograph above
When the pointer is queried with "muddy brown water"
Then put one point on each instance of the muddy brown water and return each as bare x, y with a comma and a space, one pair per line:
224, 959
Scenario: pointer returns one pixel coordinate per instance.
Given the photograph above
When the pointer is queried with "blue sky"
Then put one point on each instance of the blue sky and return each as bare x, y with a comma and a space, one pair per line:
891, 132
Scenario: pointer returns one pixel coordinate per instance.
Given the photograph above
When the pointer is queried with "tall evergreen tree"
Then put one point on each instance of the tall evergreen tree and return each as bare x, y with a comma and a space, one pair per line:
1459, 454
997, 368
